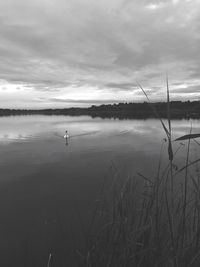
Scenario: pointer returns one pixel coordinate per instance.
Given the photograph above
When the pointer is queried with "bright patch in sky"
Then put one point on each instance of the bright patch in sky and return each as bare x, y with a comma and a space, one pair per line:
153, 6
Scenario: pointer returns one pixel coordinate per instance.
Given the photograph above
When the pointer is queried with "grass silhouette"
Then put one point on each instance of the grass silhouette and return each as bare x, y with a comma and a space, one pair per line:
150, 221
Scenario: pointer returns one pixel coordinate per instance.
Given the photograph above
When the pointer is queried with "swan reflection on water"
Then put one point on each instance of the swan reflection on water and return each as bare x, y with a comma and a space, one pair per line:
66, 136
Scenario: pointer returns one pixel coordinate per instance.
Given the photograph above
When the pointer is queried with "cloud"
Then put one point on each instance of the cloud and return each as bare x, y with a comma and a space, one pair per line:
122, 86
61, 48
195, 89
82, 101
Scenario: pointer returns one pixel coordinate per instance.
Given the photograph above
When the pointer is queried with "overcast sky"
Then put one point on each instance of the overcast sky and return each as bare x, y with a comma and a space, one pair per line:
61, 53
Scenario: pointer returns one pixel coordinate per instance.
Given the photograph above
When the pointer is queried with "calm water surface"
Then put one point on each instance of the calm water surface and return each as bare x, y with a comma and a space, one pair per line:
48, 188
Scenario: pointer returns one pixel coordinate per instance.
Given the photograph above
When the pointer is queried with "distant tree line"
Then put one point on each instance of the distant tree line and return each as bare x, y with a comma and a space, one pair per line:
178, 109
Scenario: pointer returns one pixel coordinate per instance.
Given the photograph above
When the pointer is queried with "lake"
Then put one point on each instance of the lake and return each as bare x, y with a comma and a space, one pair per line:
48, 188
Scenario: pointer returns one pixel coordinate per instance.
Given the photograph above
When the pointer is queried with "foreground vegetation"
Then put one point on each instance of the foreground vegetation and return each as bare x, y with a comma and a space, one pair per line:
148, 222
151, 223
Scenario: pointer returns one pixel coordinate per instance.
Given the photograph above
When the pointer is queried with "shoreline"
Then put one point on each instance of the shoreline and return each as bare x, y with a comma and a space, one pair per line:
178, 110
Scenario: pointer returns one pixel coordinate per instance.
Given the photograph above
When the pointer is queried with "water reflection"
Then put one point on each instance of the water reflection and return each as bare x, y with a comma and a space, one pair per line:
21, 128
43, 136
42, 181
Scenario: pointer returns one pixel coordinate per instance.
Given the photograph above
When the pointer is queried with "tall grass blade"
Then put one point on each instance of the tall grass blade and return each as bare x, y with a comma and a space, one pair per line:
187, 136
168, 106
155, 111
145, 178
170, 151
186, 166
49, 260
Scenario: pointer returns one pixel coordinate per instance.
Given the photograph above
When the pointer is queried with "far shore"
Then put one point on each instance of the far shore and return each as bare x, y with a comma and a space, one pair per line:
178, 110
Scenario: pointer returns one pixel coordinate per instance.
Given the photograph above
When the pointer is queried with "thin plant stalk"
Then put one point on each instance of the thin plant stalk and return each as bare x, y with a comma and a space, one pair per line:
185, 189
